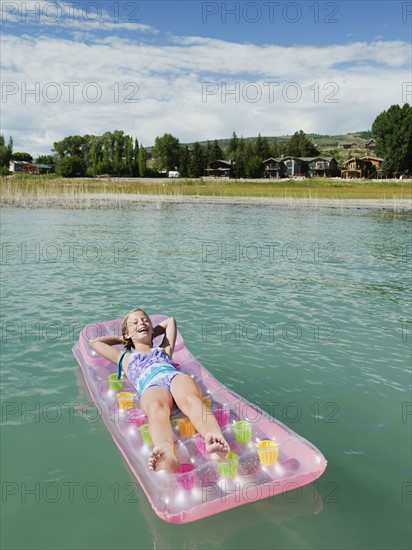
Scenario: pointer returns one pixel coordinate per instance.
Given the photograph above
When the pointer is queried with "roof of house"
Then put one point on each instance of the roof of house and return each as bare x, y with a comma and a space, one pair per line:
363, 158
372, 158
309, 159
329, 159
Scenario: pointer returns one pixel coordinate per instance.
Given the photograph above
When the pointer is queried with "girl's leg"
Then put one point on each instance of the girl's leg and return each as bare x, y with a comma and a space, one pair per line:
188, 398
157, 404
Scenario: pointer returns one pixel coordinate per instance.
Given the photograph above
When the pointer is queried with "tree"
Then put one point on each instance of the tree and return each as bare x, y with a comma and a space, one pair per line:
275, 150
142, 161
262, 148
71, 145
6, 152
118, 148
70, 167
136, 152
232, 146
392, 130
197, 161
240, 159
166, 151
45, 159
22, 157
95, 157
215, 152
184, 161
254, 168
300, 146
129, 167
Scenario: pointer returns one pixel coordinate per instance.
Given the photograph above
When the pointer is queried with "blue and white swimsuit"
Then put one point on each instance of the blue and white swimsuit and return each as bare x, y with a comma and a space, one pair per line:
149, 369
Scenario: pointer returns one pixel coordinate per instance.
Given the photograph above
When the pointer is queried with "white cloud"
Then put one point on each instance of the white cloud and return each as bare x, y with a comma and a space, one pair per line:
43, 14
339, 88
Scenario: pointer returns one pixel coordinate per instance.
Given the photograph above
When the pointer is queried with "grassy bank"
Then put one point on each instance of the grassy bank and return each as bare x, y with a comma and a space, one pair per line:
50, 186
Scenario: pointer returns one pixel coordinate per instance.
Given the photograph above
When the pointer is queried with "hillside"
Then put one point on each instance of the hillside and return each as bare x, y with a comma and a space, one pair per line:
327, 145
321, 141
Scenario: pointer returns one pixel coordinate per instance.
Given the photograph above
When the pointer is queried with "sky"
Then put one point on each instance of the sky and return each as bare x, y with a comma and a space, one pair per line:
199, 70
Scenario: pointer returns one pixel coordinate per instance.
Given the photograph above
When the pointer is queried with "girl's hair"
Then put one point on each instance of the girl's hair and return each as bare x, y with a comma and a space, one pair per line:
128, 342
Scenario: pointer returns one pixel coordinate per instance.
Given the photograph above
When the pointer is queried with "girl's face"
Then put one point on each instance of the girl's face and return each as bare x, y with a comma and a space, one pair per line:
139, 328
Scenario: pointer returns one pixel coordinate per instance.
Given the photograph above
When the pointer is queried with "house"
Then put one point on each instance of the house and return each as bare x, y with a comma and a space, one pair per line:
353, 168
371, 166
365, 167
273, 168
370, 144
300, 166
220, 169
296, 166
38, 169
17, 166
322, 167
347, 145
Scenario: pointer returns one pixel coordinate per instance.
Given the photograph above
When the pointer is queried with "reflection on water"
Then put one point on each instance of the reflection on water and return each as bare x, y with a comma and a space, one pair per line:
238, 522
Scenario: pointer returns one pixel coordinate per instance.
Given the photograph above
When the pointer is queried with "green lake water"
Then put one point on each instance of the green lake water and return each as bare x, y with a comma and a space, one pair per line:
306, 313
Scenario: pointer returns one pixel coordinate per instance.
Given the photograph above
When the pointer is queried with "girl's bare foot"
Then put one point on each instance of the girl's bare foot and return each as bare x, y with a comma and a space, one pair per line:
216, 444
162, 458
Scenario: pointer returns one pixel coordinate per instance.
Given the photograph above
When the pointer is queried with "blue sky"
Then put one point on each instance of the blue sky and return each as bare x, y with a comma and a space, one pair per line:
199, 69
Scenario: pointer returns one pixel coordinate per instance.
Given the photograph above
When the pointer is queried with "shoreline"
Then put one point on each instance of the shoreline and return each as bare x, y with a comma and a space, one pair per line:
91, 201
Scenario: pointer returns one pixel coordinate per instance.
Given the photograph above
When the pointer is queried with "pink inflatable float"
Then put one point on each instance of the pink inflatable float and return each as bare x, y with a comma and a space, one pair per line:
266, 456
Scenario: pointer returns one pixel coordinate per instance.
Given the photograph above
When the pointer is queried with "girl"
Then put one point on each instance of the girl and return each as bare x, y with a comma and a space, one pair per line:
160, 385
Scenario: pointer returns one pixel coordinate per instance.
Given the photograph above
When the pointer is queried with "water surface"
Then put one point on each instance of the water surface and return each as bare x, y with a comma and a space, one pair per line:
303, 312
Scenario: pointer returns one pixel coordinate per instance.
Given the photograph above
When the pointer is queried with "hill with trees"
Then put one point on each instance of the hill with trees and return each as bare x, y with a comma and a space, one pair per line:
117, 154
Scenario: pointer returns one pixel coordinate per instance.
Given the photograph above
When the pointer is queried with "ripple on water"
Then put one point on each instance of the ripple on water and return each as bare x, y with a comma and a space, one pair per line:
330, 327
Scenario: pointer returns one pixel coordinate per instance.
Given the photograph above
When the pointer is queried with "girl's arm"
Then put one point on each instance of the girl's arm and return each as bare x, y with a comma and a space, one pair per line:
169, 329
104, 347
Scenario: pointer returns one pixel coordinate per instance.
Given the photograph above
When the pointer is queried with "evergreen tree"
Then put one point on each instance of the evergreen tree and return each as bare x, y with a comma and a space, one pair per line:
262, 148
184, 160
197, 161
300, 146
240, 159
249, 151
275, 150
215, 152
392, 130
232, 146
254, 167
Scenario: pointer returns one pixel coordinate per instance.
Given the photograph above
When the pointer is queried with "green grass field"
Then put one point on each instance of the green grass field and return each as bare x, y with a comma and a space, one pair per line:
43, 186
